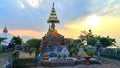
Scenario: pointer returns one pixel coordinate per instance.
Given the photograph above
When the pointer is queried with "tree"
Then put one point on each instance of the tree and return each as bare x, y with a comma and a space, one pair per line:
33, 44
85, 35
15, 41
106, 41
77, 41
92, 39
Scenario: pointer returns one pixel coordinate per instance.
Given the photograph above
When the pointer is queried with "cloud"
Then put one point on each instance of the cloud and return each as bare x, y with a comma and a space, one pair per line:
111, 8
29, 3
21, 4
34, 3
111, 1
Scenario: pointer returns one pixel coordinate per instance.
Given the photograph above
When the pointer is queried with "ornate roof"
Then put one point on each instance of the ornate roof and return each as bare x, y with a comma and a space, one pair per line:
53, 17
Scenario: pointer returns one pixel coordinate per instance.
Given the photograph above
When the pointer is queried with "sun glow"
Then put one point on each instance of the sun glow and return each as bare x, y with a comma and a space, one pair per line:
93, 21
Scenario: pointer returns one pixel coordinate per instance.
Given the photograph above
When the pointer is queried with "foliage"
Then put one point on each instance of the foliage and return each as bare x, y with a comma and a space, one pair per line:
33, 44
112, 56
67, 41
4, 55
113, 53
85, 35
76, 41
90, 52
92, 39
73, 49
15, 41
32, 49
106, 41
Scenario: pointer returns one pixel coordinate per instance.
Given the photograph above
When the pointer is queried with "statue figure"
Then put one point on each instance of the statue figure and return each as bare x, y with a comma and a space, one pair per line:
81, 52
98, 49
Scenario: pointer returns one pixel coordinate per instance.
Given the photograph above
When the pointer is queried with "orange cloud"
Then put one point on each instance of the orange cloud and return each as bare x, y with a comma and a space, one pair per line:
31, 33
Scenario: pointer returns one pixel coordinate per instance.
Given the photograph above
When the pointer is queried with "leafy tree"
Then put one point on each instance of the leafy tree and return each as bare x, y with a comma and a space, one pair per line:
77, 41
106, 41
73, 49
85, 35
33, 44
92, 39
67, 41
15, 41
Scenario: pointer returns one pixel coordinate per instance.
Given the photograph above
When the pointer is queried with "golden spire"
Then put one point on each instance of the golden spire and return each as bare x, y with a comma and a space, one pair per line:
53, 17
5, 30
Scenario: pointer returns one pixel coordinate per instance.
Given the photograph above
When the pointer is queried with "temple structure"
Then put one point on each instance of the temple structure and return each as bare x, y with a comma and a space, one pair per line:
7, 37
52, 39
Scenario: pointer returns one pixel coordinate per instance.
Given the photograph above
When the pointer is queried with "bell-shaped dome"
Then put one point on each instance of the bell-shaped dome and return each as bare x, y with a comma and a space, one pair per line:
5, 30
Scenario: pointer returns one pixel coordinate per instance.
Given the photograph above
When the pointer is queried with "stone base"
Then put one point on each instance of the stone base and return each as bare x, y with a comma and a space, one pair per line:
58, 64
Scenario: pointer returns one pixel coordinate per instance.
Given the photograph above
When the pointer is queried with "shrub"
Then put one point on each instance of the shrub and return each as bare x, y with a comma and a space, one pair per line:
90, 52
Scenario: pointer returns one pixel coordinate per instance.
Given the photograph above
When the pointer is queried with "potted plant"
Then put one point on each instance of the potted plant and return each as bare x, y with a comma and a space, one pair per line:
73, 51
90, 52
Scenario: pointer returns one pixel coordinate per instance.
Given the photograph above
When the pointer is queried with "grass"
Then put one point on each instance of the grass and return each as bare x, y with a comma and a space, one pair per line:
4, 55
3, 59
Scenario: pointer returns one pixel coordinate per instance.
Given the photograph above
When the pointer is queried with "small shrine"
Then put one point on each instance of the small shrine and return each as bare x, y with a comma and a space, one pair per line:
52, 40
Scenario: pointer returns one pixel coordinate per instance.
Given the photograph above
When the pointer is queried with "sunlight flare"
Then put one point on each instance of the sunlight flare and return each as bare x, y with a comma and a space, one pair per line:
93, 21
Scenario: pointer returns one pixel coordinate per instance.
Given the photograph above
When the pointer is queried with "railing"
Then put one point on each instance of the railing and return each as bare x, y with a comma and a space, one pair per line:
111, 53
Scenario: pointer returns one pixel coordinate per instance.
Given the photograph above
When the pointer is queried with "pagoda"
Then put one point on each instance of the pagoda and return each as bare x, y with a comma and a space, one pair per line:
7, 37
52, 39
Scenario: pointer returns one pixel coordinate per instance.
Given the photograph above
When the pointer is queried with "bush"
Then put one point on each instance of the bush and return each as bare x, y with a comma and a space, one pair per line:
90, 52
73, 50
111, 56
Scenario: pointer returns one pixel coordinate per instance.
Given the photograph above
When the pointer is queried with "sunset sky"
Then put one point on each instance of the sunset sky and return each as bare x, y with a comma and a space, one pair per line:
29, 17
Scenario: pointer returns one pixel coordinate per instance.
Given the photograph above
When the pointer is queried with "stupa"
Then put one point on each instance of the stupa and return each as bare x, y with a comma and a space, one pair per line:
7, 37
52, 40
